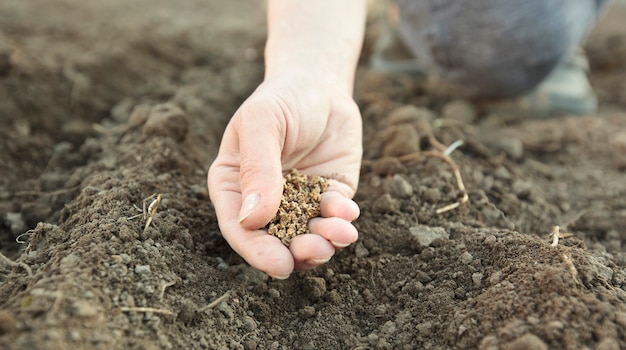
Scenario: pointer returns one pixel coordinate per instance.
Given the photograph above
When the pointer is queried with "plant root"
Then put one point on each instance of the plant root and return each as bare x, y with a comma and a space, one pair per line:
215, 302
16, 264
443, 155
147, 309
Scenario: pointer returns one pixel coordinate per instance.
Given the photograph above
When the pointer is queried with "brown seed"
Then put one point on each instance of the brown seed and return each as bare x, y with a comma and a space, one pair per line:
300, 202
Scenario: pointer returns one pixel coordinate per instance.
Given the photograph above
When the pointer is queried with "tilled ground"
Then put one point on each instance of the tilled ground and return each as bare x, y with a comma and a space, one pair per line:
159, 81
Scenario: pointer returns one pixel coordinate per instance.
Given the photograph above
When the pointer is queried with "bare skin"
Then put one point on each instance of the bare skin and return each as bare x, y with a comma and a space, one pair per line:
302, 116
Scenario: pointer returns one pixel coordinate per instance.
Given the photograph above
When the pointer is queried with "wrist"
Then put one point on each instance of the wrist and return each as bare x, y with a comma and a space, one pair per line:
318, 41
312, 76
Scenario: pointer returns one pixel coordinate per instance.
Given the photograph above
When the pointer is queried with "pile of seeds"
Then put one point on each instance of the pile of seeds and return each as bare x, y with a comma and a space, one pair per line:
300, 202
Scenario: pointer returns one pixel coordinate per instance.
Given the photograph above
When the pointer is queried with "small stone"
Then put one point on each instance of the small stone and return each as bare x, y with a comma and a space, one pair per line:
426, 235
459, 110
249, 324
522, 189
226, 310
422, 277
250, 277
388, 165
388, 328
360, 251
380, 310
317, 287
409, 114
502, 173
558, 325
477, 278
431, 195
142, 269
386, 204
489, 240
533, 320
424, 328
273, 293
512, 147
495, 278
400, 140
222, 265
372, 339
307, 312
466, 258
398, 187
84, 308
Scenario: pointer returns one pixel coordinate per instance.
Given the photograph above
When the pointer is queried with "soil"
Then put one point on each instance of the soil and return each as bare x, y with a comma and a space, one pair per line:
300, 203
105, 103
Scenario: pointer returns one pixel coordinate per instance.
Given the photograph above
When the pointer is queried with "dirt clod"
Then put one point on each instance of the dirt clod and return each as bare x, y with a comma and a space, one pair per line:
300, 203
167, 120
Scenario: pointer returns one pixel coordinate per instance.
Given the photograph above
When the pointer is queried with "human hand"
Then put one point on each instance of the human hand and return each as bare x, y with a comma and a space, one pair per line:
288, 123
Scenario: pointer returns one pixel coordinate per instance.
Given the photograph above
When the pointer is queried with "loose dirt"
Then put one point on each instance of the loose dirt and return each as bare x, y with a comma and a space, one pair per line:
103, 104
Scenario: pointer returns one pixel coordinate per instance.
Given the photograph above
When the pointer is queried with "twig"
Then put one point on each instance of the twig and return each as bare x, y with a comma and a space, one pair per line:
152, 209
455, 171
163, 287
456, 144
435, 143
19, 240
556, 234
15, 264
215, 302
147, 309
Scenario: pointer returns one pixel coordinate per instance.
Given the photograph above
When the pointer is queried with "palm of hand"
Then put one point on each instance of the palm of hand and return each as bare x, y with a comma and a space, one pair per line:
276, 129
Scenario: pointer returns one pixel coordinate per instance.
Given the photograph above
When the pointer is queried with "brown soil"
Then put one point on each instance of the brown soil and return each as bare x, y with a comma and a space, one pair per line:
160, 79
299, 204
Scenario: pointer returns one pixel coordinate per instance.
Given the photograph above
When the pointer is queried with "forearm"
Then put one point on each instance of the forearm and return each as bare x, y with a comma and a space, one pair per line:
321, 38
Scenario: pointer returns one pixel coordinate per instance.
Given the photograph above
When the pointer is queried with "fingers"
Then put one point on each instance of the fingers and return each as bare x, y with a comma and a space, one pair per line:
310, 250
260, 167
338, 232
329, 232
266, 253
334, 204
261, 250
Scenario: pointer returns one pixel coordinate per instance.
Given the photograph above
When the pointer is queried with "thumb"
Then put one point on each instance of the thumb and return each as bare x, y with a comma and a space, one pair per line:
260, 173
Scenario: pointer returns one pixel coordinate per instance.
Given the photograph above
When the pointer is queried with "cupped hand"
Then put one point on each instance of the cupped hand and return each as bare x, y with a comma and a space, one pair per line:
288, 123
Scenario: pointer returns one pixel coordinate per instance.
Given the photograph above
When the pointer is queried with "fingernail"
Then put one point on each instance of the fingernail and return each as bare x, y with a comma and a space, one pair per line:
319, 261
248, 205
339, 245
279, 277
